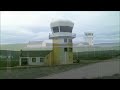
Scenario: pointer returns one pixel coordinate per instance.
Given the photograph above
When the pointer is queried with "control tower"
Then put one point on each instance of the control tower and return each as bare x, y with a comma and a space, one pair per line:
89, 38
62, 41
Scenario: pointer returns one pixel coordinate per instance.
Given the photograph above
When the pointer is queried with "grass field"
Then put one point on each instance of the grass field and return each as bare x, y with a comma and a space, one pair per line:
115, 76
38, 71
78, 57
84, 49
18, 47
84, 58
96, 55
14, 47
5, 63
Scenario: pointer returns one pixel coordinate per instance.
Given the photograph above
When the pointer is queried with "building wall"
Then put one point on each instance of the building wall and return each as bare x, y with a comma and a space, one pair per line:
49, 59
35, 63
40, 44
70, 54
36, 45
30, 62
59, 55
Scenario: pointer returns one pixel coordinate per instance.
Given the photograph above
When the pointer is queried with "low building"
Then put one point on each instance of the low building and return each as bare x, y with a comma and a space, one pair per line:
33, 44
62, 47
33, 57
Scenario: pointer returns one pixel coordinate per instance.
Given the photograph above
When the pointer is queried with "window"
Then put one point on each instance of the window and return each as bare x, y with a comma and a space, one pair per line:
65, 40
70, 40
55, 29
65, 29
70, 49
41, 59
33, 59
65, 49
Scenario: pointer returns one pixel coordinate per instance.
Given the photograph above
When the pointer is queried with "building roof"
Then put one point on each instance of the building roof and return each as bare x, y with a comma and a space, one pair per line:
36, 48
42, 53
62, 23
35, 42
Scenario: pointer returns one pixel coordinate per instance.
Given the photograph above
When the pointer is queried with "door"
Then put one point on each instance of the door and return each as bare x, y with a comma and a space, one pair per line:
24, 61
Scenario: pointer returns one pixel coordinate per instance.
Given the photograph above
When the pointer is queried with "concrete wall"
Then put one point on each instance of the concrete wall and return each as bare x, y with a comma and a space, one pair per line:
59, 55
49, 61
33, 63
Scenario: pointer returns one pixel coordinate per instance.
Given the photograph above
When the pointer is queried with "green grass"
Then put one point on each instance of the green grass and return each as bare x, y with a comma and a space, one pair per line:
115, 76
96, 55
14, 47
84, 58
78, 56
18, 47
5, 63
83, 49
37, 72
32, 72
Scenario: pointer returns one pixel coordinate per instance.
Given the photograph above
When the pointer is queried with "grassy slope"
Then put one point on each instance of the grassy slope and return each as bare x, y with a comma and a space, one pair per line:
78, 57
37, 72
115, 76
18, 47
97, 55
82, 49
85, 58
8, 63
15, 47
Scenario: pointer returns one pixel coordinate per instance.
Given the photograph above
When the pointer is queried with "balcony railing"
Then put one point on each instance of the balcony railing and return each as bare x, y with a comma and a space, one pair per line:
61, 34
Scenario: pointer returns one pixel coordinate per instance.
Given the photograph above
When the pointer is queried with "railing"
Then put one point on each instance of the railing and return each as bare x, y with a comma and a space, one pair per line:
62, 34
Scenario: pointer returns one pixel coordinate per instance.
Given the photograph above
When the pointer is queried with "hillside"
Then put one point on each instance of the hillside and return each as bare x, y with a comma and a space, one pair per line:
14, 47
98, 47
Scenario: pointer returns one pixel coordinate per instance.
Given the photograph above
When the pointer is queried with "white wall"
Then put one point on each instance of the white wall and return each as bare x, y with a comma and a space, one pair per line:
37, 45
59, 41
35, 63
43, 44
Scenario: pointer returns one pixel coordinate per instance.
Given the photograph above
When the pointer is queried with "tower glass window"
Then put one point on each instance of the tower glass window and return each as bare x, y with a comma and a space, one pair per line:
55, 29
41, 59
65, 40
65, 29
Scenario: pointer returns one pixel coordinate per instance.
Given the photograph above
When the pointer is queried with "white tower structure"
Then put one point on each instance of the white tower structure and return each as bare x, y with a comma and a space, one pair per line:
62, 41
89, 38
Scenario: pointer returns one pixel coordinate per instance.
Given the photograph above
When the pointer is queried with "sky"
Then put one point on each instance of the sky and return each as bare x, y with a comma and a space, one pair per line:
25, 26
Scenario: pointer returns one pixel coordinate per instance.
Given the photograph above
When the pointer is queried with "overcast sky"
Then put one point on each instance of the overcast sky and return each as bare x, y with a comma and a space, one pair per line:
24, 26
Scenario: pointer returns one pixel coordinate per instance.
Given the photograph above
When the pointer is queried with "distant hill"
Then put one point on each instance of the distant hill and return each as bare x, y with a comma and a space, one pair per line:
107, 44
15, 47
101, 46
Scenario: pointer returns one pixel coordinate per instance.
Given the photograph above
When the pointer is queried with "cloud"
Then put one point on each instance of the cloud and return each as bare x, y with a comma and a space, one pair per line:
23, 26
27, 18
